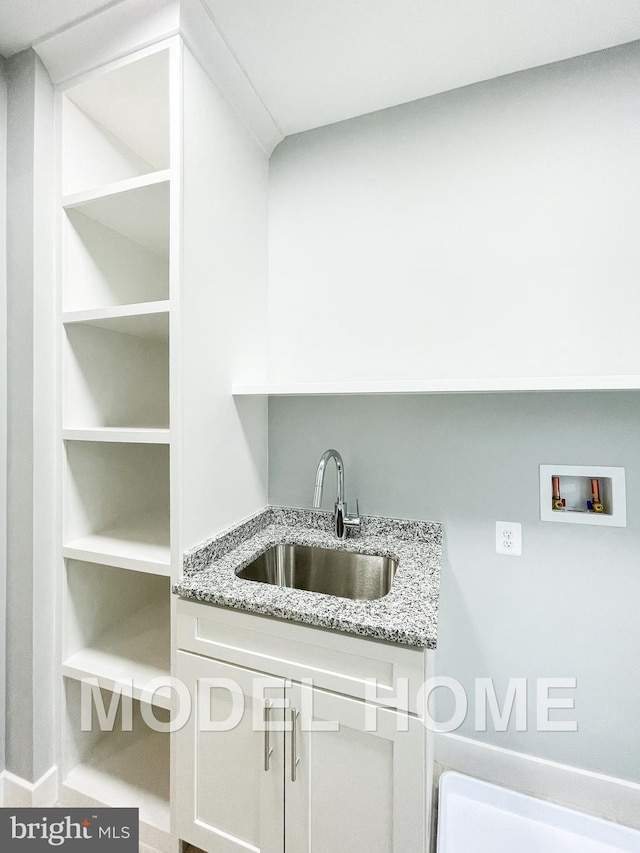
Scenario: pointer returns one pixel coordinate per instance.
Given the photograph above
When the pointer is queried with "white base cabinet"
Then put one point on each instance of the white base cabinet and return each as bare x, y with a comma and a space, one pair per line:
227, 799
355, 789
272, 764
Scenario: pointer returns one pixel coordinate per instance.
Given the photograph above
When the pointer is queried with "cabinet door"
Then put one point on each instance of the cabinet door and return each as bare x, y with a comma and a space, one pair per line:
353, 790
228, 796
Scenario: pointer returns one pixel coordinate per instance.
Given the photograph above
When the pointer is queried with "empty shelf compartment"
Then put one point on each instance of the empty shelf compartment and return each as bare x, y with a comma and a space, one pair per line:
117, 372
116, 125
117, 627
117, 503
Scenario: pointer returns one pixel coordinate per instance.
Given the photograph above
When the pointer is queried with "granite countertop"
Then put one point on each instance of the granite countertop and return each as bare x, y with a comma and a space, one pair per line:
408, 614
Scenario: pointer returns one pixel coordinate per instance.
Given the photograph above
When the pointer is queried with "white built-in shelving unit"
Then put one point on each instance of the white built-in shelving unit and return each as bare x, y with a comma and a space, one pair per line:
117, 297
163, 263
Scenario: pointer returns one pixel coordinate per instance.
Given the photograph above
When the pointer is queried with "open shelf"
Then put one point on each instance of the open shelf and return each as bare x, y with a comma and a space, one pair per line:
139, 435
127, 772
139, 318
117, 504
116, 125
116, 371
105, 267
137, 209
152, 324
117, 627
438, 386
117, 768
141, 544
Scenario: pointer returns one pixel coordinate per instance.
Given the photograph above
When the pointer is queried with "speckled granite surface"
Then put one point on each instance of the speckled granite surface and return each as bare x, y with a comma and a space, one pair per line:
408, 614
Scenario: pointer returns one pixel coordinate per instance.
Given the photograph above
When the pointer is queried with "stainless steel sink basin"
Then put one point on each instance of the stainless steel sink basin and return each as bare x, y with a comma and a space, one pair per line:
341, 573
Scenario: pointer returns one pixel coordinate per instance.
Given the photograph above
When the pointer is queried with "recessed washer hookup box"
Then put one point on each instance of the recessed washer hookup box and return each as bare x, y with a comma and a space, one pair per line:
583, 494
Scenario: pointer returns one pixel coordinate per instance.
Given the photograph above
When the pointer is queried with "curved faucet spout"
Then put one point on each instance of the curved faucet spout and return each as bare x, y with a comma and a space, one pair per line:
342, 521
322, 465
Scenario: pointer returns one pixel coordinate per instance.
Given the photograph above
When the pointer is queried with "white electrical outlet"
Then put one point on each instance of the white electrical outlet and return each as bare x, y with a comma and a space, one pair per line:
509, 538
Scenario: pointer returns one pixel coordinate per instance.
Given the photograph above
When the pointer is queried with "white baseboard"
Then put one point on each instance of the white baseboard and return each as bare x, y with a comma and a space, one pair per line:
593, 793
18, 793
2, 789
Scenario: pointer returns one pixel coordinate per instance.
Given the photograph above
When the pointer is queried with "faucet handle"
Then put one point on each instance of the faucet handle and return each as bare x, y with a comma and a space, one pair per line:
353, 520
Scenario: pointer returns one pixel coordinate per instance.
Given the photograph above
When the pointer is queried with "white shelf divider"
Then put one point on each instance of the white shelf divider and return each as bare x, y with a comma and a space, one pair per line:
133, 435
137, 208
137, 649
137, 556
116, 312
145, 324
75, 200
143, 547
439, 386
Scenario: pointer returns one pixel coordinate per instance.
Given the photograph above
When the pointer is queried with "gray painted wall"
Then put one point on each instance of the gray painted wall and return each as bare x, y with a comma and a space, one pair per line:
30, 732
567, 607
3, 398
450, 233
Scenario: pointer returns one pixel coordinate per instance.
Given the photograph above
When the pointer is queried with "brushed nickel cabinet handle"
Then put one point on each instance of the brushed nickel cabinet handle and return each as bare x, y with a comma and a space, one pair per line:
268, 750
294, 757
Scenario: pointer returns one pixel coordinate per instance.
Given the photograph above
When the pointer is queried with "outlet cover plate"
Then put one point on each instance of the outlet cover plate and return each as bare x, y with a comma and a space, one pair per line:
509, 538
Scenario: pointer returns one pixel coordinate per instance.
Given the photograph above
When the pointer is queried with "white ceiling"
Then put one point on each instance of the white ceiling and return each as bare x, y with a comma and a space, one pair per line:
23, 22
314, 62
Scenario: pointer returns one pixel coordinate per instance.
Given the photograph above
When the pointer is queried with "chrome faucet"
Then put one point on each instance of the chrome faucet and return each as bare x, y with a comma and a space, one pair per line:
342, 521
